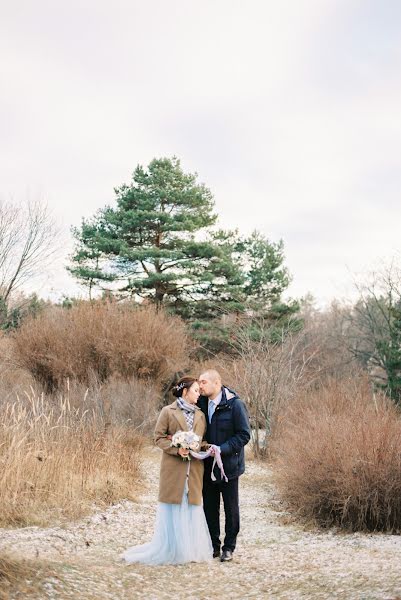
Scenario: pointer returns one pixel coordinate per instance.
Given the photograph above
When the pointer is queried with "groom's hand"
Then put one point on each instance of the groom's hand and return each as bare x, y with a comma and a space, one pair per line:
183, 452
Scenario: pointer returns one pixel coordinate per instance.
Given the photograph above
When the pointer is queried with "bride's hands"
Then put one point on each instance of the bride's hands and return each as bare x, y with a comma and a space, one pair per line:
183, 452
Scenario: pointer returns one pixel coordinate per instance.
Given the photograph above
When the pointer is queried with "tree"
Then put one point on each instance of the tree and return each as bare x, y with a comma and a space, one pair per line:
18, 309
262, 264
254, 300
151, 244
159, 243
269, 374
27, 245
374, 329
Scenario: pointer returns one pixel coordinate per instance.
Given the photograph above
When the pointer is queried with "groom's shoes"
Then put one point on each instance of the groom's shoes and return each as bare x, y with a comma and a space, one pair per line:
226, 556
216, 553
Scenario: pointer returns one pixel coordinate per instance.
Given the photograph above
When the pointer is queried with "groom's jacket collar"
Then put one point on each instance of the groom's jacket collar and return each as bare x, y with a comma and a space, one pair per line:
226, 396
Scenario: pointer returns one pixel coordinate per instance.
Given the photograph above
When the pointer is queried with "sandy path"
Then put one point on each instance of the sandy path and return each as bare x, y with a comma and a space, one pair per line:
272, 560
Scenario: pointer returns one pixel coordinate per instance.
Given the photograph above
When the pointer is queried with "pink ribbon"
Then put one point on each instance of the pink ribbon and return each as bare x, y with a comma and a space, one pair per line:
216, 460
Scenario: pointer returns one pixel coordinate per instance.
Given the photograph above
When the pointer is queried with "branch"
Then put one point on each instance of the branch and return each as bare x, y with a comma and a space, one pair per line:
27, 245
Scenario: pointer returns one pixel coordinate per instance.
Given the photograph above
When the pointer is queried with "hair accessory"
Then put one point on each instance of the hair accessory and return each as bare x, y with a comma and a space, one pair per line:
181, 386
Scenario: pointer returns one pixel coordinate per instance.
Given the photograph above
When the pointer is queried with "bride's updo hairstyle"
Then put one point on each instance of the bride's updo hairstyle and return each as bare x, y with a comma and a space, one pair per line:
183, 384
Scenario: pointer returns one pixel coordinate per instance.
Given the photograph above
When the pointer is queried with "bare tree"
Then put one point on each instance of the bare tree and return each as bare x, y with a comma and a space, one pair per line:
268, 374
28, 236
326, 332
374, 333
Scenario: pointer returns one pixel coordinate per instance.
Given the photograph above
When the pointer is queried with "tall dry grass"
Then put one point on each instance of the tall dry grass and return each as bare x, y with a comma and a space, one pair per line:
100, 339
58, 460
134, 403
20, 578
337, 457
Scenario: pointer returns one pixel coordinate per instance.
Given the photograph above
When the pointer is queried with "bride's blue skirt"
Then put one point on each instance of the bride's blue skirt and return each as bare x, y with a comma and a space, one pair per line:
181, 535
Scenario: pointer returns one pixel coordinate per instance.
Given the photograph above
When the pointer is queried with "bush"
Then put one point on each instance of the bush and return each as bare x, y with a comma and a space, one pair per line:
131, 402
59, 459
337, 458
100, 339
13, 380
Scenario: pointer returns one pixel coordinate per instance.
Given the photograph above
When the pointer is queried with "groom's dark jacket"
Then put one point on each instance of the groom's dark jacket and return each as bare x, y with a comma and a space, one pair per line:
230, 430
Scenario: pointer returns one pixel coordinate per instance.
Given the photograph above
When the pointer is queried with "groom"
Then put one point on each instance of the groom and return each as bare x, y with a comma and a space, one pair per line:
227, 427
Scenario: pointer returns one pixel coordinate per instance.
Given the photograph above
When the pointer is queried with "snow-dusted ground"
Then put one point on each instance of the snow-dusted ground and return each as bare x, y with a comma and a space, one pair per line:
272, 560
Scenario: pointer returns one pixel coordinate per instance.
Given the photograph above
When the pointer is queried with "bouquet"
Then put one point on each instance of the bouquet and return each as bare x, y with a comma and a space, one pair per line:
186, 439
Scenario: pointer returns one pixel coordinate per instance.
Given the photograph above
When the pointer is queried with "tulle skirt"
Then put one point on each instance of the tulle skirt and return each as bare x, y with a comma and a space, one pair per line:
181, 535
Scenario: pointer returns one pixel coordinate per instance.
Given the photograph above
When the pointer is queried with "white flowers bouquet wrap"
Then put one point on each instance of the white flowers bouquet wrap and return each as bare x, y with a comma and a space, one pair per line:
186, 439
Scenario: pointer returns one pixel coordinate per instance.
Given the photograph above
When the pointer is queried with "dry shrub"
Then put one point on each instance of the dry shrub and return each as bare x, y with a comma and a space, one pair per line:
12, 378
59, 459
337, 457
100, 338
132, 402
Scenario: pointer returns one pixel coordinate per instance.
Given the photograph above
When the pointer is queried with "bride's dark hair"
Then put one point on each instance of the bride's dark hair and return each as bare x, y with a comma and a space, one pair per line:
183, 384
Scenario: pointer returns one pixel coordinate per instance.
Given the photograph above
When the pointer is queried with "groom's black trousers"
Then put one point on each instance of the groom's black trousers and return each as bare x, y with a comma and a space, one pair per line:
211, 506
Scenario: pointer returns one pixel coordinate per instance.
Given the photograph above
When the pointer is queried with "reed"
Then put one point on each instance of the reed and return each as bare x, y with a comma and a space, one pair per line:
58, 460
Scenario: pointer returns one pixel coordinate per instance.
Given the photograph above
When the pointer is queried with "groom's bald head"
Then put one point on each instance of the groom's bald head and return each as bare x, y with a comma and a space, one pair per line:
210, 383
212, 374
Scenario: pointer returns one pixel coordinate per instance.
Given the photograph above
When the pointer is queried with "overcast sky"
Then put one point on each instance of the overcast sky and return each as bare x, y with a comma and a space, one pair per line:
289, 111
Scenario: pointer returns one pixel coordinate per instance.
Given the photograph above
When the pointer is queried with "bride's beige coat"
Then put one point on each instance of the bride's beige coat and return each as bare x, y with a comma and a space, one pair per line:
173, 469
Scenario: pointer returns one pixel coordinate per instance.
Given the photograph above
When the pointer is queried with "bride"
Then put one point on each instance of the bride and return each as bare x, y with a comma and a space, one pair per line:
181, 534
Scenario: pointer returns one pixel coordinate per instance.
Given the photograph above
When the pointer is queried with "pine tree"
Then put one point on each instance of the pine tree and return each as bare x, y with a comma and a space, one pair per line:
159, 243
154, 243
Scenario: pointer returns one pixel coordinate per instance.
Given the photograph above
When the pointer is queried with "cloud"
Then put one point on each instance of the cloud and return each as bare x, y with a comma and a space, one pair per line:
288, 111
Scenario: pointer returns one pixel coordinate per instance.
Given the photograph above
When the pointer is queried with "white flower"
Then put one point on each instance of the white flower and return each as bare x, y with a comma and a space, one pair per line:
186, 439
178, 439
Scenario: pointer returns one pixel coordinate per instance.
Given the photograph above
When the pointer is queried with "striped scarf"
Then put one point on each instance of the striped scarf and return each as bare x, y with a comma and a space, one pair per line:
188, 410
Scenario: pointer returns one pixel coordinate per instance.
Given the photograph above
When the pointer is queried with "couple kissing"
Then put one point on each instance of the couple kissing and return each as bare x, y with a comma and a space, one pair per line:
191, 483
